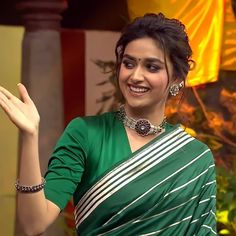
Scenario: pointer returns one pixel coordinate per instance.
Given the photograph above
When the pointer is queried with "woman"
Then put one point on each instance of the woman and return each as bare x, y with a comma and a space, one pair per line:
130, 172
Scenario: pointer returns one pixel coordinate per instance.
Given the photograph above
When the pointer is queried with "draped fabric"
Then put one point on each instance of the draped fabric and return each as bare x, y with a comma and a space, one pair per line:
160, 190
204, 23
228, 55
167, 187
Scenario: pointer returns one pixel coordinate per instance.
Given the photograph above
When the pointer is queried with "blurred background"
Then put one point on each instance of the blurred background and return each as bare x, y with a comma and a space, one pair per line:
63, 51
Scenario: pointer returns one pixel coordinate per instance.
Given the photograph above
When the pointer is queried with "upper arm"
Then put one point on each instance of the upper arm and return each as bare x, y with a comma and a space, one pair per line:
53, 211
66, 165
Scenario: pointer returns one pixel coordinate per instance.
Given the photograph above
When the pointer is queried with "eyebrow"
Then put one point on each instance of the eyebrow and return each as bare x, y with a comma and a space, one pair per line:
149, 59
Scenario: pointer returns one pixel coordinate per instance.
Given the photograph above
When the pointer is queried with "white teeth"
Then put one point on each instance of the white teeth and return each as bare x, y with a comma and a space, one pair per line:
138, 90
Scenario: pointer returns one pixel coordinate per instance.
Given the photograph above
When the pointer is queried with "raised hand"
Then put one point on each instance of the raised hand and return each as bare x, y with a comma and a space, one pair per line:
22, 113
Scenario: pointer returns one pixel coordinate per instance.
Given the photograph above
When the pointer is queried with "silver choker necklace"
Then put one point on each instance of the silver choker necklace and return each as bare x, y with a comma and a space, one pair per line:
143, 127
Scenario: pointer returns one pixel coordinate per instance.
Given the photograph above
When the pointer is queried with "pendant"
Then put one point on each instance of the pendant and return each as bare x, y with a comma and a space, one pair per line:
142, 127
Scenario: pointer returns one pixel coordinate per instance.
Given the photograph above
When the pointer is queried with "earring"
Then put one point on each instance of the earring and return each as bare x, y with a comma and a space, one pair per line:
174, 88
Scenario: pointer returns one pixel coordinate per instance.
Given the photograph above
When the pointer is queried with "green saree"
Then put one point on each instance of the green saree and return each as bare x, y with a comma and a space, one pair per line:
166, 188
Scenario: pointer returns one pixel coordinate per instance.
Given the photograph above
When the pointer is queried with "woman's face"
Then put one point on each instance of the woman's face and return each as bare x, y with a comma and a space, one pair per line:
143, 77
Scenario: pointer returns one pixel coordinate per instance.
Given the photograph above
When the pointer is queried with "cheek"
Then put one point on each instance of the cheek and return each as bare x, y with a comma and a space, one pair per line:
165, 80
123, 75
121, 79
161, 82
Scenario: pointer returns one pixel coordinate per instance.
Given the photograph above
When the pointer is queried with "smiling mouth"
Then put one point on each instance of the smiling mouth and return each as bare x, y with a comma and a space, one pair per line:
139, 90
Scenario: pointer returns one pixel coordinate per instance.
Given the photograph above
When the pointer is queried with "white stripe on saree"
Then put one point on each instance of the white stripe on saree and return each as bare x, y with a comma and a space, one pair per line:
129, 170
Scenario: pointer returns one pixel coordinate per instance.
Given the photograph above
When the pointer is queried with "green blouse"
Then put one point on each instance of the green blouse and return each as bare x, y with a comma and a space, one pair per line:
88, 147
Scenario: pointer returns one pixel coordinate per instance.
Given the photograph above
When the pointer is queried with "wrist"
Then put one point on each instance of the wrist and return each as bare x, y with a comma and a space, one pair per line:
33, 133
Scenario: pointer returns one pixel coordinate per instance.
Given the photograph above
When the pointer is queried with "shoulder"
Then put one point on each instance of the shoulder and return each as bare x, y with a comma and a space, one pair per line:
190, 144
87, 124
92, 118
196, 146
106, 118
191, 135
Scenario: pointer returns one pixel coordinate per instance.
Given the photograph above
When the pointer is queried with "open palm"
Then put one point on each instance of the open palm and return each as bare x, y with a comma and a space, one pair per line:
22, 113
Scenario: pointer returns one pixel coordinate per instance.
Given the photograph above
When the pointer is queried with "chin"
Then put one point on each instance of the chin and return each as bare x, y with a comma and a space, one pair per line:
136, 104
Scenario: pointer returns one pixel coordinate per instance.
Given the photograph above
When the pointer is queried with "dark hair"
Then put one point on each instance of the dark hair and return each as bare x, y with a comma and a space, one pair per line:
170, 34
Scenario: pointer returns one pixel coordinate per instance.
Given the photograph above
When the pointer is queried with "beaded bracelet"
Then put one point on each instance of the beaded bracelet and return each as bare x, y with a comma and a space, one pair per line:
30, 189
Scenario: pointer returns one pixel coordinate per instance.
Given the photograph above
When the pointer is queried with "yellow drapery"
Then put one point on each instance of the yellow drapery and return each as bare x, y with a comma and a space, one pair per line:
204, 22
228, 54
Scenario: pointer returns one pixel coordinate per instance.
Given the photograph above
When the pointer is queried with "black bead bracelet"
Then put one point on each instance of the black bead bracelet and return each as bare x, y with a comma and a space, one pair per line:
30, 189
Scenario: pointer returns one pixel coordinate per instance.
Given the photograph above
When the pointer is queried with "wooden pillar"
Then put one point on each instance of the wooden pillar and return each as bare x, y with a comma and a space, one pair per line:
42, 72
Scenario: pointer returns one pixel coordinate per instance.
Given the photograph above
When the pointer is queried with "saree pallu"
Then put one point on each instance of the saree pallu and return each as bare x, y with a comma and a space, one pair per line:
168, 188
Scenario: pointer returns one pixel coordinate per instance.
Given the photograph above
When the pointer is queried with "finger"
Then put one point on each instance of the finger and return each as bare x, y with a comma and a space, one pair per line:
9, 102
24, 93
4, 103
6, 93
10, 108
10, 98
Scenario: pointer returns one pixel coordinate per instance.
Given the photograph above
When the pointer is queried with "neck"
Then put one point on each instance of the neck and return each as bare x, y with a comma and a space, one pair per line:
155, 116
142, 126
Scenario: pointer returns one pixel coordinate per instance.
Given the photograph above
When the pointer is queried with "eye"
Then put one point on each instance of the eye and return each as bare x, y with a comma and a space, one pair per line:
128, 64
153, 68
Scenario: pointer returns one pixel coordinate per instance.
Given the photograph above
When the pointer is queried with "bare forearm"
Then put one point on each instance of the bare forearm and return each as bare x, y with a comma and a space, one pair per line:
29, 173
32, 208
35, 212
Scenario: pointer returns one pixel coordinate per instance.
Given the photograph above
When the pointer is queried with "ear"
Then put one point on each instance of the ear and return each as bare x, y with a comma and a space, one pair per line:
178, 81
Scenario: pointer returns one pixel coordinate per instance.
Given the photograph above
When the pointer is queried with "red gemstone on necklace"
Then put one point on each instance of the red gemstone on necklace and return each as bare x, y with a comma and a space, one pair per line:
142, 127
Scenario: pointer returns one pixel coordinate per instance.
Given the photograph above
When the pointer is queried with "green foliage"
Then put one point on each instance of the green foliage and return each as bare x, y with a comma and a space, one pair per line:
226, 200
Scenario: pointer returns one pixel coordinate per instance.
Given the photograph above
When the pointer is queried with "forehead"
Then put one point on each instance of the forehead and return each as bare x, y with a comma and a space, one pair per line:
144, 47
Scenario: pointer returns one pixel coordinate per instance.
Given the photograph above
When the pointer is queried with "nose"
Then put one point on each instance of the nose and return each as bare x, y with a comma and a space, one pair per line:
137, 74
